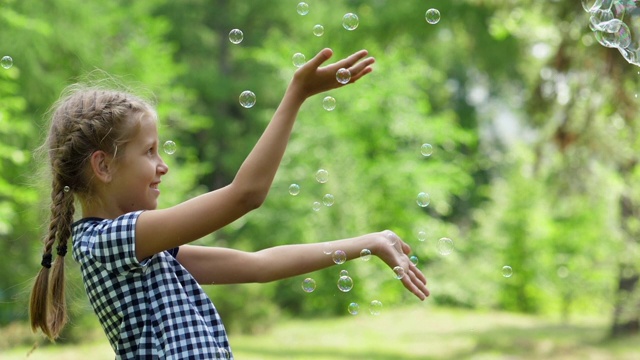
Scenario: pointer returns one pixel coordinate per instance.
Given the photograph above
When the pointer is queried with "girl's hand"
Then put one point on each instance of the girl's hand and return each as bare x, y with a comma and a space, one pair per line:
311, 79
394, 252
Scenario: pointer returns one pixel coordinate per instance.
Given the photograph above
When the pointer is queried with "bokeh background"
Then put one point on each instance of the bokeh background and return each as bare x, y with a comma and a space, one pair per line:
535, 142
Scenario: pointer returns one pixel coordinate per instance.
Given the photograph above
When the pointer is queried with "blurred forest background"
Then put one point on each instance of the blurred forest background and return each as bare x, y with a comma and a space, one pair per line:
533, 126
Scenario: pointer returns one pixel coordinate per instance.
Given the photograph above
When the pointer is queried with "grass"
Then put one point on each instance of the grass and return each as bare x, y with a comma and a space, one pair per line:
423, 332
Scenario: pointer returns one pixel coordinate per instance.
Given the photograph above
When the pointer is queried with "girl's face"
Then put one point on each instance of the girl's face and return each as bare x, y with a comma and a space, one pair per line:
135, 183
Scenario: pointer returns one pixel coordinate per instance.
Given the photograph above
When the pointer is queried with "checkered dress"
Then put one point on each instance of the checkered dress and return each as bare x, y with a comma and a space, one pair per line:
152, 309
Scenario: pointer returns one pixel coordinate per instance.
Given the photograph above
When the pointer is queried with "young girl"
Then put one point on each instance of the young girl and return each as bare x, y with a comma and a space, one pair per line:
142, 280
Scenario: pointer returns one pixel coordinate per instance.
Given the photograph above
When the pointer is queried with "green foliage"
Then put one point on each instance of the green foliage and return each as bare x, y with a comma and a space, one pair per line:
531, 151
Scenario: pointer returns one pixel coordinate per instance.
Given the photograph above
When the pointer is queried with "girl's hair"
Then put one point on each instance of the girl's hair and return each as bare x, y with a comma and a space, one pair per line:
84, 120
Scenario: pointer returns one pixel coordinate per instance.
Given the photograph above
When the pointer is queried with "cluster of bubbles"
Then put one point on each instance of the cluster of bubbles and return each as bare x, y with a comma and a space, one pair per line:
615, 24
6, 62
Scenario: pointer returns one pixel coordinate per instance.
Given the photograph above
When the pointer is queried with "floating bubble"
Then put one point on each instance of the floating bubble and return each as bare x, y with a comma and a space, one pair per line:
507, 271
308, 285
339, 257
350, 21
445, 246
223, 354
423, 199
413, 259
422, 235
236, 36
326, 249
318, 30
322, 176
375, 307
316, 206
6, 62
399, 270
343, 75
66, 189
329, 103
432, 16
365, 254
294, 189
426, 150
298, 59
345, 283
169, 147
353, 308
247, 99
327, 200
344, 273
392, 238
302, 8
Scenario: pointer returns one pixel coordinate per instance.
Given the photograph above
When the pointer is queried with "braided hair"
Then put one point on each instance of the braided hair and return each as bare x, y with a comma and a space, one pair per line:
83, 121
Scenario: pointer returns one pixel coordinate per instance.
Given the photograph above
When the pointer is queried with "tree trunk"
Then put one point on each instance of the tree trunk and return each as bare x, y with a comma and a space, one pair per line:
626, 315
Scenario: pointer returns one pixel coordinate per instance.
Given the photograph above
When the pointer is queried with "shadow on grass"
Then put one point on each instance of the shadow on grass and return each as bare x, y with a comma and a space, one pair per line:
548, 342
342, 354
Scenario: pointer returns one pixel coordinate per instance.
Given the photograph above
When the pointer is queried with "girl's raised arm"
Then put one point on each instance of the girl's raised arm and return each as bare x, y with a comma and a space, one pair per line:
158, 230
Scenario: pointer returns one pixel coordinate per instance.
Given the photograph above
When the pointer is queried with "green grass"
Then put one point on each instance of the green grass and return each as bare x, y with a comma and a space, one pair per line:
423, 332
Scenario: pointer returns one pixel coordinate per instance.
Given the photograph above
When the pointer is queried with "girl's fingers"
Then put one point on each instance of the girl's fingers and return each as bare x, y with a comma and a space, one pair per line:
320, 58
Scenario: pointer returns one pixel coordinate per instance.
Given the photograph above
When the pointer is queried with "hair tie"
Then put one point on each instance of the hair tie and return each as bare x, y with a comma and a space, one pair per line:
46, 260
61, 250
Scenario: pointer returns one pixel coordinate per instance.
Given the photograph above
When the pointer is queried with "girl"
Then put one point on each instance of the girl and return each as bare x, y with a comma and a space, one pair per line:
142, 280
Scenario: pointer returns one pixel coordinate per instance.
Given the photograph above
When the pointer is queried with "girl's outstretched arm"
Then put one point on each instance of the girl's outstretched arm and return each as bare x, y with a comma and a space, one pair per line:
211, 265
158, 230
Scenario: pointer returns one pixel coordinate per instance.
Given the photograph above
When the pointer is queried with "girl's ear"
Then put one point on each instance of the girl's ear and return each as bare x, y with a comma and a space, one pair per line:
101, 166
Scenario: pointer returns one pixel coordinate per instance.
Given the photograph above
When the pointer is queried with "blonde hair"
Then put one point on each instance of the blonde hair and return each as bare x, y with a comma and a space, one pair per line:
83, 120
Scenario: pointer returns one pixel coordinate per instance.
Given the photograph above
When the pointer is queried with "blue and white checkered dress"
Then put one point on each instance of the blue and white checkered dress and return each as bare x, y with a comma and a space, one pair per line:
152, 309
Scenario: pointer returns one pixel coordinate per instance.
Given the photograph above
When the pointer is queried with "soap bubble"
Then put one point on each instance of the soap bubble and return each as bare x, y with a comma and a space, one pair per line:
322, 176
375, 307
414, 259
302, 8
6, 62
294, 189
316, 206
223, 354
392, 238
169, 147
422, 235
426, 150
616, 24
445, 246
308, 285
327, 200
66, 189
507, 271
247, 99
432, 16
298, 59
399, 270
350, 21
343, 75
365, 254
344, 273
423, 199
339, 257
318, 30
353, 308
236, 36
329, 103
345, 283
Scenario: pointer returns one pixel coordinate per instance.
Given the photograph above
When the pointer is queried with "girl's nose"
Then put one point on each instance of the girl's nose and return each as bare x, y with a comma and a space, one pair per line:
163, 168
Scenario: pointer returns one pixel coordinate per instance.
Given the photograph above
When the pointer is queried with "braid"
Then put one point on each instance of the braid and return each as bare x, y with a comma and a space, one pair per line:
83, 122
